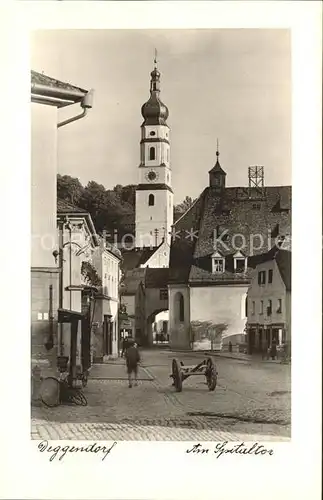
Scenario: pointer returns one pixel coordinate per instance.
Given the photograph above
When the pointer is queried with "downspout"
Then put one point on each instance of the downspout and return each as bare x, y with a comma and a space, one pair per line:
86, 103
61, 288
71, 255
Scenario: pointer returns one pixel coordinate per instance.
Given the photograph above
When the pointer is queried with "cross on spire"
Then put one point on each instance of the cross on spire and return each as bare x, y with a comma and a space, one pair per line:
217, 148
155, 58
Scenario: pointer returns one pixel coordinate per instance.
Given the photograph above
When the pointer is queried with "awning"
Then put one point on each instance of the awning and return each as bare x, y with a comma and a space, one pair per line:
67, 316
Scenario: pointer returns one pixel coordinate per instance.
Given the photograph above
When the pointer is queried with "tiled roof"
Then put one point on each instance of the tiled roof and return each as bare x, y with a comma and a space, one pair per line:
132, 280
182, 248
217, 168
42, 79
201, 276
66, 207
137, 257
156, 277
237, 211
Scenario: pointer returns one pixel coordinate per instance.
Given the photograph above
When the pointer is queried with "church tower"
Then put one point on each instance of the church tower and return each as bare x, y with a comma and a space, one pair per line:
154, 195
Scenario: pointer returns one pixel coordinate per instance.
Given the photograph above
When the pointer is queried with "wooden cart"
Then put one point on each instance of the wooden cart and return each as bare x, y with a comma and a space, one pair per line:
180, 372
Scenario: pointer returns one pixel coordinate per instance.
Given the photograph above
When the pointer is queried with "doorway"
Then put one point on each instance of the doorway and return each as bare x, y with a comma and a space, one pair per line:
108, 335
86, 332
251, 341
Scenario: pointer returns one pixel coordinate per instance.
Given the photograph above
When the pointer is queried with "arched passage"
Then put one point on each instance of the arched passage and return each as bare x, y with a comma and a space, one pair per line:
158, 327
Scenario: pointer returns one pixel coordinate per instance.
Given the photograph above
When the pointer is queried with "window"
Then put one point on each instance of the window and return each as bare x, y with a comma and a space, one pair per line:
279, 309
270, 276
269, 308
240, 262
261, 307
240, 265
218, 263
262, 278
163, 294
152, 153
151, 200
152, 133
167, 154
253, 307
179, 307
256, 206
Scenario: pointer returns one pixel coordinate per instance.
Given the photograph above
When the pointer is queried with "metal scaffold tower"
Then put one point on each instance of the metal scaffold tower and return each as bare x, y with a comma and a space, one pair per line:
256, 180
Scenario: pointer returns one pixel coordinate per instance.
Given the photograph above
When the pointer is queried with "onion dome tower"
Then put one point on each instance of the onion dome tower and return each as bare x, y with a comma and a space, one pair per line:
154, 195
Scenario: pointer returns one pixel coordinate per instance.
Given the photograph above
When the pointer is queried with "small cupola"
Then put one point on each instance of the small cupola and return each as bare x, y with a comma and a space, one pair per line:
217, 175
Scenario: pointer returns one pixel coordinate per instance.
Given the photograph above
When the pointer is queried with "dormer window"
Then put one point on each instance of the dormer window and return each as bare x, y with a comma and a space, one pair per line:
240, 262
218, 263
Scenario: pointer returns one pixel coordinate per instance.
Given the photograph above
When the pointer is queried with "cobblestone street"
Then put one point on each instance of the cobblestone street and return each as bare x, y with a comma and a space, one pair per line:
251, 402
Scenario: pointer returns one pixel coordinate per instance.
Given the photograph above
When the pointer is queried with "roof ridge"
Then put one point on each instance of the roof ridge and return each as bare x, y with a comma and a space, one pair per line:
70, 205
190, 208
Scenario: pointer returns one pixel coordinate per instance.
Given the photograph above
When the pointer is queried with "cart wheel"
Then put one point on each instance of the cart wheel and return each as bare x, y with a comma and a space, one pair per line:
50, 392
79, 398
211, 374
177, 375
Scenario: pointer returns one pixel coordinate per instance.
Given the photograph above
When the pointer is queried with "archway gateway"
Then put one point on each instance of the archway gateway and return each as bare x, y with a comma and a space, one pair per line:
158, 328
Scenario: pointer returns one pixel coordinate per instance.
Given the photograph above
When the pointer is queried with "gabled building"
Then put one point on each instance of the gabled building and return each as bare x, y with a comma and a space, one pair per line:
269, 301
90, 281
209, 260
78, 280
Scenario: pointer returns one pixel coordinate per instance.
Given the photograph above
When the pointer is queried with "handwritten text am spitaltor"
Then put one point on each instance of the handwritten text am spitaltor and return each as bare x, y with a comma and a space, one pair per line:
226, 448
44, 446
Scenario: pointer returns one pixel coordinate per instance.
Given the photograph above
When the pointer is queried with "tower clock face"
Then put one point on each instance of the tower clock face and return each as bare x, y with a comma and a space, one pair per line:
151, 176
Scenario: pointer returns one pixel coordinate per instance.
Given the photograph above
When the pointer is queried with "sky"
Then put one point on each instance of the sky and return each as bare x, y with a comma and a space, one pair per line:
225, 84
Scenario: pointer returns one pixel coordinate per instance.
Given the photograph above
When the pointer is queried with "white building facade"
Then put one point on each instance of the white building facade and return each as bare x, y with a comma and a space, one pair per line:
105, 327
269, 302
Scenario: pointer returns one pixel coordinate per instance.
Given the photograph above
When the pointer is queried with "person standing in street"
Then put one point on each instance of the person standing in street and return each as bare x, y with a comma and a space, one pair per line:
273, 351
132, 360
124, 346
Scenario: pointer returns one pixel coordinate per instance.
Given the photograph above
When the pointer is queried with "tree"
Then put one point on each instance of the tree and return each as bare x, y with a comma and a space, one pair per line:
181, 208
69, 188
208, 329
90, 274
111, 210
